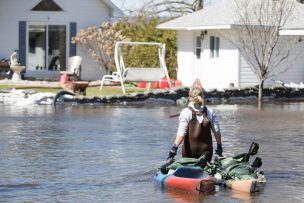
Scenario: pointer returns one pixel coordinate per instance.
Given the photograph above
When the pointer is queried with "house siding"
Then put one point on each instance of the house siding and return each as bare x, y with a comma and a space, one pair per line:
295, 71
294, 67
213, 72
84, 13
247, 77
185, 46
294, 74
219, 72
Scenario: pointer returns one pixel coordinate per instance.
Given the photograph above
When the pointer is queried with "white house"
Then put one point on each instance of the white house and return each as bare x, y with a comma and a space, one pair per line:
215, 60
42, 29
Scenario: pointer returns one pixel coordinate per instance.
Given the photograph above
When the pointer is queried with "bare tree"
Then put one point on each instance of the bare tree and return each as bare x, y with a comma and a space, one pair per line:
100, 42
300, 1
171, 7
257, 36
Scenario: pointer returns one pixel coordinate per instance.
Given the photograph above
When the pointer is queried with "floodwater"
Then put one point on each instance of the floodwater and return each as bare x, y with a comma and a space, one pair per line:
110, 153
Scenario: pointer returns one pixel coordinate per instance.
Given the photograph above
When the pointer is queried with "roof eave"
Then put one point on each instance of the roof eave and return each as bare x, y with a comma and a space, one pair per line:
292, 32
114, 9
189, 28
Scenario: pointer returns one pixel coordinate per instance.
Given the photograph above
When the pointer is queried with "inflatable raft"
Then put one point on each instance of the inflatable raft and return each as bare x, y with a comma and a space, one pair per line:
240, 177
248, 186
192, 180
192, 175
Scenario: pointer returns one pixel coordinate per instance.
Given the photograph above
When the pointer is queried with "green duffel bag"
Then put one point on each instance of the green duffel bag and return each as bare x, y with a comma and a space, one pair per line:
186, 162
240, 171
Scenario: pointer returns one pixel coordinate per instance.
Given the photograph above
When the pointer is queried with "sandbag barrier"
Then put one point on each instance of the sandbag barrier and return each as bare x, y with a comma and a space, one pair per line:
180, 96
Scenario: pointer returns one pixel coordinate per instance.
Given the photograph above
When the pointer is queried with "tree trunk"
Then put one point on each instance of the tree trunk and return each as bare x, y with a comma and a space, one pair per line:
260, 96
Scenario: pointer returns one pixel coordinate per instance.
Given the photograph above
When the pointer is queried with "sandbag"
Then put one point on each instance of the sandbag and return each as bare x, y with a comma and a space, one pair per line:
236, 167
185, 162
240, 171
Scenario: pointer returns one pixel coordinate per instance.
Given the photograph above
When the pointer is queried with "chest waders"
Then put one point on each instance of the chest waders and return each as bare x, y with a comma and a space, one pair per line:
198, 139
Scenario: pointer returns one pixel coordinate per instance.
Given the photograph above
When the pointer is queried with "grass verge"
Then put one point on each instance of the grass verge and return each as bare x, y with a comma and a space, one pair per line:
91, 91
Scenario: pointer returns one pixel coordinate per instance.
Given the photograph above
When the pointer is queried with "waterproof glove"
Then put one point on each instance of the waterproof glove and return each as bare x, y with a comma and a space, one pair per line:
164, 168
257, 163
219, 150
172, 152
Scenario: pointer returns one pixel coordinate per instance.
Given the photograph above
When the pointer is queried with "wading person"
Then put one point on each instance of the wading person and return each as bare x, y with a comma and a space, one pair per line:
195, 125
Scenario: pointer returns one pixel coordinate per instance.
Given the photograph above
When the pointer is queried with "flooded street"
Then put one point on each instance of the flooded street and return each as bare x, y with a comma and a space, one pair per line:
110, 153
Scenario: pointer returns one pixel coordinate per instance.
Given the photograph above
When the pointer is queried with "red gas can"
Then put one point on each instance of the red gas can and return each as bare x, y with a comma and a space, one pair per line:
141, 84
163, 83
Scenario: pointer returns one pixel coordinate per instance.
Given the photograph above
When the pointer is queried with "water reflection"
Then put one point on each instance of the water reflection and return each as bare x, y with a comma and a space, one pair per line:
110, 153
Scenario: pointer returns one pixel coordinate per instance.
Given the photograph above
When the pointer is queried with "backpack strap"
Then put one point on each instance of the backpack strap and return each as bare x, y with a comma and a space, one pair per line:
199, 113
195, 113
192, 110
205, 109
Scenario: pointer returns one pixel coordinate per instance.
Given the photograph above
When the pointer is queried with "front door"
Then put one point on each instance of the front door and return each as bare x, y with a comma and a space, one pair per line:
46, 48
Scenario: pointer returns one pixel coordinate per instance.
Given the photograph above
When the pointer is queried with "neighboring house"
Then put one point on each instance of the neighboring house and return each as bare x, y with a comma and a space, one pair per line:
204, 53
42, 29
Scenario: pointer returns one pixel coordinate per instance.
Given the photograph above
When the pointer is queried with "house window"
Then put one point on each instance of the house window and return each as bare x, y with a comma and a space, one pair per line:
46, 47
198, 47
214, 47
47, 5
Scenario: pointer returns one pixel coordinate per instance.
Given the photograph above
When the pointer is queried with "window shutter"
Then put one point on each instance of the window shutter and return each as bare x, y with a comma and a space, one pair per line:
211, 47
198, 47
22, 42
73, 31
217, 47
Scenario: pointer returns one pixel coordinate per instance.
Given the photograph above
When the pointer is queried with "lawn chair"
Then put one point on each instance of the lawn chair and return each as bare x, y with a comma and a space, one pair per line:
114, 78
74, 68
136, 74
